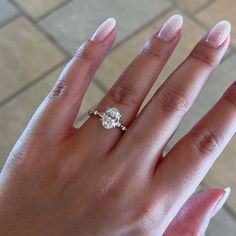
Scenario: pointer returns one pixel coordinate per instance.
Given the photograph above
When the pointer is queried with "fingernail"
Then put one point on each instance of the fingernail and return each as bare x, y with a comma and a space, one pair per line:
221, 202
218, 34
170, 28
104, 30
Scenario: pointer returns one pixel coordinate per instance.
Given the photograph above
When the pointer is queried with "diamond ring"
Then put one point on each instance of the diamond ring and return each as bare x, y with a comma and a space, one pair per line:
110, 118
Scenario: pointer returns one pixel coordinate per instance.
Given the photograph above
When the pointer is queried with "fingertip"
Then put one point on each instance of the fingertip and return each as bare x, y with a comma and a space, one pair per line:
170, 28
218, 34
104, 30
220, 203
205, 202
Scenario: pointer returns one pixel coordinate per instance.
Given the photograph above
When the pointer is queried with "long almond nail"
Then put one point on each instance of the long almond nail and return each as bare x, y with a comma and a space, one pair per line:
218, 34
221, 202
170, 28
104, 30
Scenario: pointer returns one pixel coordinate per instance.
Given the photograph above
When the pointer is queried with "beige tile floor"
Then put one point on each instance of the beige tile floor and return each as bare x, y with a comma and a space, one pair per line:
38, 37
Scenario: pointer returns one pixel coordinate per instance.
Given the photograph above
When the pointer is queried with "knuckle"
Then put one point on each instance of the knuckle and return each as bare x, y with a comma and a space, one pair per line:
230, 94
59, 90
201, 55
124, 94
172, 101
86, 52
206, 141
153, 53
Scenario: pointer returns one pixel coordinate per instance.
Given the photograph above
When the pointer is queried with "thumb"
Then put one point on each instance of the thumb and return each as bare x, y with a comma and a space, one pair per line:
193, 218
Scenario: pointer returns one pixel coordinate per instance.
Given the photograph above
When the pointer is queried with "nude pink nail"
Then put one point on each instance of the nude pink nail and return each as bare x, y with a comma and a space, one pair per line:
104, 30
221, 202
170, 28
218, 34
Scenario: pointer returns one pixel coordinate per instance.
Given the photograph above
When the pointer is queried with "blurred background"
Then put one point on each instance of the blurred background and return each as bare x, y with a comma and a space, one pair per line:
37, 38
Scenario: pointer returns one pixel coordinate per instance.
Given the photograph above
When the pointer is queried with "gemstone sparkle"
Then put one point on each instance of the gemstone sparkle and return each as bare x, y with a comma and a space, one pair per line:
111, 118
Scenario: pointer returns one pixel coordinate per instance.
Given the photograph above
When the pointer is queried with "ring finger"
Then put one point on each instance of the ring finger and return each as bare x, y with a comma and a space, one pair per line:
130, 90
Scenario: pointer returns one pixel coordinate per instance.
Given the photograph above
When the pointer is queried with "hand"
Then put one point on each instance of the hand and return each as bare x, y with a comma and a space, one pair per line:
60, 180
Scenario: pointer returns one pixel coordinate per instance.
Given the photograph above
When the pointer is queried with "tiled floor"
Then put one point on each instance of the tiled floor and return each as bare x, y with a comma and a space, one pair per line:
7, 11
37, 37
62, 26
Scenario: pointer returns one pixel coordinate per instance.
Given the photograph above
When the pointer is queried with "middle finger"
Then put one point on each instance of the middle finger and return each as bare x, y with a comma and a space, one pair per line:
128, 93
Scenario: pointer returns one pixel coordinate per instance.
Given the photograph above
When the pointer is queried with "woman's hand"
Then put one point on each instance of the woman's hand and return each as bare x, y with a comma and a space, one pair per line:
60, 180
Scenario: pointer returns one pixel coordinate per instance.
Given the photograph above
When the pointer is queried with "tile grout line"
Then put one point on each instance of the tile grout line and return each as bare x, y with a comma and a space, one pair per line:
35, 23
22, 13
67, 54
63, 4
139, 30
126, 38
230, 211
10, 20
229, 55
81, 117
30, 84
197, 21
204, 6
100, 85
205, 27
202, 25
194, 19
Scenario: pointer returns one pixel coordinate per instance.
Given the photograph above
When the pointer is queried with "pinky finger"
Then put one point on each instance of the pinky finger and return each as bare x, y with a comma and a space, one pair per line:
194, 217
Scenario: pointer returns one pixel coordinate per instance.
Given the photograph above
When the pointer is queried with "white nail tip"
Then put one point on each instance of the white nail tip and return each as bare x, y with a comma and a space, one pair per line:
170, 28
178, 18
104, 29
218, 33
227, 192
221, 201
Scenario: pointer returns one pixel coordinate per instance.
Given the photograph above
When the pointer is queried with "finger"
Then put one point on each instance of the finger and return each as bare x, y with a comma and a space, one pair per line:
189, 160
193, 218
162, 115
56, 114
128, 93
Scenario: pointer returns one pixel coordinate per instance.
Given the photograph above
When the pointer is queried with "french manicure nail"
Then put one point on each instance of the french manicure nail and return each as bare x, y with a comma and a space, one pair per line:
170, 28
104, 30
221, 202
218, 34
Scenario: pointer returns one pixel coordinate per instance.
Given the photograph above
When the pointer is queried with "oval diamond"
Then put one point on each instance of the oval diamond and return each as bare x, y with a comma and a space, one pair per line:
111, 118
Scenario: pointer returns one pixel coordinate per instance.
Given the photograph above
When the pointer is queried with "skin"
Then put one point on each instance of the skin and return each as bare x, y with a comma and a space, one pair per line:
60, 180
